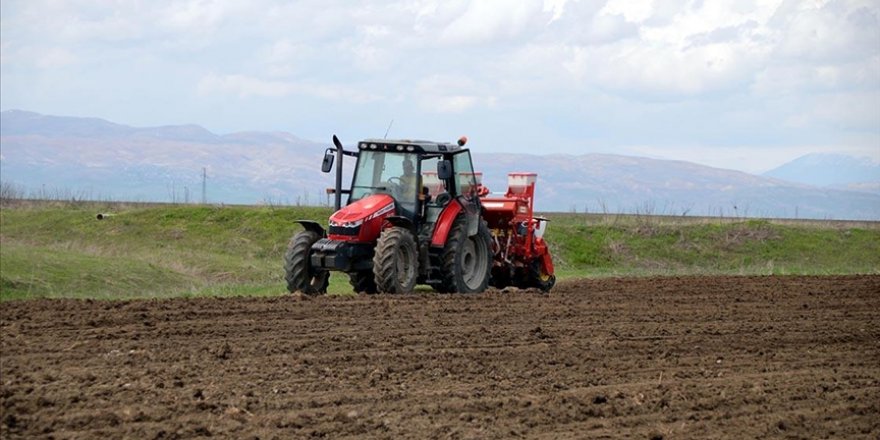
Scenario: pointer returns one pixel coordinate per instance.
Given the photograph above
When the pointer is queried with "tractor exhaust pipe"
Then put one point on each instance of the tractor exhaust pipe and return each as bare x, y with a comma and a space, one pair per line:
337, 202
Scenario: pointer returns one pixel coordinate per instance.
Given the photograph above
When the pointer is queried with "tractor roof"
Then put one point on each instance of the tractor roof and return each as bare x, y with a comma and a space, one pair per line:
405, 145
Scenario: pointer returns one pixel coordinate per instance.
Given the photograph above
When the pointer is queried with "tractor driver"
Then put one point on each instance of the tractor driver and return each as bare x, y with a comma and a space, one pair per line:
409, 181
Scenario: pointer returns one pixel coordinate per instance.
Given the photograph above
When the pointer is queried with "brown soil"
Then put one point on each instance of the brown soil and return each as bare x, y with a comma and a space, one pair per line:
644, 358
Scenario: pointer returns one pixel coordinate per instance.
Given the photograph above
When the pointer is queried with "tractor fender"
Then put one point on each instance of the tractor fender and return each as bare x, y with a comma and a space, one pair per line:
399, 220
473, 220
312, 226
444, 223
472, 213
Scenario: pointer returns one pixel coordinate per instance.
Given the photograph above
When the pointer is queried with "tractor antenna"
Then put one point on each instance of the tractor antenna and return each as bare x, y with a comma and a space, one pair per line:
389, 129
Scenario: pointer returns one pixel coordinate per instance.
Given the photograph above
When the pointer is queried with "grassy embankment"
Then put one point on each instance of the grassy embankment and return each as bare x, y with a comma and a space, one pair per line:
63, 251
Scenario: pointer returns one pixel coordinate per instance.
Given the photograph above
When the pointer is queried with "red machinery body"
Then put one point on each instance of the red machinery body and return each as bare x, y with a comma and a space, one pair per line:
364, 220
521, 256
361, 221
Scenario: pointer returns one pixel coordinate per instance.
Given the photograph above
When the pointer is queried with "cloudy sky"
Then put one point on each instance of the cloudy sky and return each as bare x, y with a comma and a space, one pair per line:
737, 84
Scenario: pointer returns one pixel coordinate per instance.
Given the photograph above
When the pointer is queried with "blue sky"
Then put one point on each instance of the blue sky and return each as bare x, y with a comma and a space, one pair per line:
739, 84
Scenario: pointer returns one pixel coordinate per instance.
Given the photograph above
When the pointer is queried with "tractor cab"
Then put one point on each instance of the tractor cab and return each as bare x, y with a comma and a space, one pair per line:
420, 177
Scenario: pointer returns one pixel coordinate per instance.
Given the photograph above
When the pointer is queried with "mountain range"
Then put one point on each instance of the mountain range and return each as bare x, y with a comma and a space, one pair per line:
99, 159
832, 171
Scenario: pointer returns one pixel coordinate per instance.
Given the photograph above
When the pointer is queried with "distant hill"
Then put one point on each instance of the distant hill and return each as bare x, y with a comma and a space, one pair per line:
831, 170
612, 183
100, 159
106, 160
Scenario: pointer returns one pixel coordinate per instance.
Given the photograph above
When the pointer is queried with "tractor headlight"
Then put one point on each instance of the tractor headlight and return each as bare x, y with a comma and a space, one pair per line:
352, 224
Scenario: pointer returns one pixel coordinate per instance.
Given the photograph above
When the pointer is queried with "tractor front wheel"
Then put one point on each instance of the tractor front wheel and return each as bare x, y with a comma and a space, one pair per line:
298, 270
395, 264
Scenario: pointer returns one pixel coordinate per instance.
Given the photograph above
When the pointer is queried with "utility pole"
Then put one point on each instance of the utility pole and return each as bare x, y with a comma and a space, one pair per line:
204, 186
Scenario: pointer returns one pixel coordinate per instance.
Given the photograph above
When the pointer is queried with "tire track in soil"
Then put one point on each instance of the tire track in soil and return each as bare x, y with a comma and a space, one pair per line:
675, 357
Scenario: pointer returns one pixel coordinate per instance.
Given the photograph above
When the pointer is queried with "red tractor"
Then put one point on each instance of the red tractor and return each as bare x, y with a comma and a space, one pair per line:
415, 216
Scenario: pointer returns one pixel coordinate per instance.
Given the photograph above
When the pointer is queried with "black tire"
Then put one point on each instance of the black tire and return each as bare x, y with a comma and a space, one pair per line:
298, 271
395, 264
542, 281
362, 282
539, 279
466, 260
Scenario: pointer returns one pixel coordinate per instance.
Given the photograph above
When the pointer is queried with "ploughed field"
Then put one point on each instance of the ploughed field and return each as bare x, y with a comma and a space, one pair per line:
676, 357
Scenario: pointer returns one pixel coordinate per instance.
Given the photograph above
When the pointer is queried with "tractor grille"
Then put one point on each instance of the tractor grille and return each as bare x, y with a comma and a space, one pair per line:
339, 230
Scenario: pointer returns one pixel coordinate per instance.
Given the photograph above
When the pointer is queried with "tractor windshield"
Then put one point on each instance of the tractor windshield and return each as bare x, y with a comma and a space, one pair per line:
380, 172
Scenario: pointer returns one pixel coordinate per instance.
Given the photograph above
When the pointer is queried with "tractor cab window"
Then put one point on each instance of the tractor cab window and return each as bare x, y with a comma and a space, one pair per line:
380, 172
465, 179
429, 177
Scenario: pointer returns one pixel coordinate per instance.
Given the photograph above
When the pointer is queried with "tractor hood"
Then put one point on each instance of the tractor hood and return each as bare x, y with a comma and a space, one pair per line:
362, 210
362, 220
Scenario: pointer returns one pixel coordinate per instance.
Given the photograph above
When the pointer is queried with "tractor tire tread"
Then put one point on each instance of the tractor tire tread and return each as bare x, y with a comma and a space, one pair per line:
297, 271
388, 250
452, 281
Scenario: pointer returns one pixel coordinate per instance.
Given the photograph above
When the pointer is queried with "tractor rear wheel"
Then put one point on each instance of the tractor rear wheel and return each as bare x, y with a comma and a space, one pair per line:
362, 281
298, 270
395, 264
466, 260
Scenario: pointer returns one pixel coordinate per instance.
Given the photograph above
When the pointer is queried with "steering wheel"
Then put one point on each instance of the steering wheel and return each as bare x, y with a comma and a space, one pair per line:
397, 187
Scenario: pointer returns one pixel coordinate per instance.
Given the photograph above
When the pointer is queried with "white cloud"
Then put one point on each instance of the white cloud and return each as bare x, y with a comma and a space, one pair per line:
246, 87
285, 57
633, 10
833, 31
54, 58
658, 71
194, 15
451, 94
555, 8
800, 78
496, 20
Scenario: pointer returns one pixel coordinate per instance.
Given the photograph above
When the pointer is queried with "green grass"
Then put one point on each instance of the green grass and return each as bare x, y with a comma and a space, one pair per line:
644, 245
159, 251
147, 252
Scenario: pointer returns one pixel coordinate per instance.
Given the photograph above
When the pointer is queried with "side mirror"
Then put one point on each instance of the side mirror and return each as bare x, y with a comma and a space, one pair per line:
444, 170
327, 164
